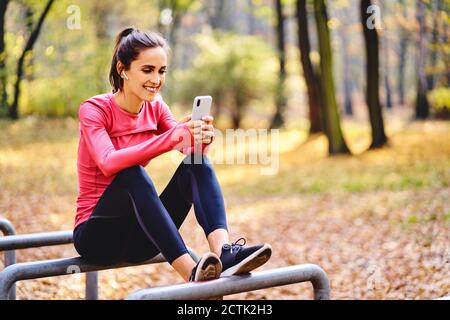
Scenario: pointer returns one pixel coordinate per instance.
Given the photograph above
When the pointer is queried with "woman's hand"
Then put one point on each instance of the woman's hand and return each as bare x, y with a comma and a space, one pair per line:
185, 119
207, 129
201, 130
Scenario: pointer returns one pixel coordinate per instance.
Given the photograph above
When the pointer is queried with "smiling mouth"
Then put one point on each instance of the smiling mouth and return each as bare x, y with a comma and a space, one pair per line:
151, 89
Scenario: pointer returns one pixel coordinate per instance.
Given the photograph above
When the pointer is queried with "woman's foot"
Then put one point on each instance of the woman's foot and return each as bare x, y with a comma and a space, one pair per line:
238, 259
209, 267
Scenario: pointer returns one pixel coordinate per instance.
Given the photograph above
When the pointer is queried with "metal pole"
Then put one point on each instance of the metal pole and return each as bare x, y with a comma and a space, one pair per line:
58, 267
48, 268
10, 256
33, 240
92, 285
242, 283
41, 239
193, 255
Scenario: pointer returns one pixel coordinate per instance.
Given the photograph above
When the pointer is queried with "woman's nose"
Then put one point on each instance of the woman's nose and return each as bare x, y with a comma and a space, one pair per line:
155, 79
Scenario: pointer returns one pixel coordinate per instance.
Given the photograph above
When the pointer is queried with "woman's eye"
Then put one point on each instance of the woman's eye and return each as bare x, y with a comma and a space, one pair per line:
150, 71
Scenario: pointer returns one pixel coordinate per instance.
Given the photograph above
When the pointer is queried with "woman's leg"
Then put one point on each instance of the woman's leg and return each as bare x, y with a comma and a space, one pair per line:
197, 184
130, 206
216, 240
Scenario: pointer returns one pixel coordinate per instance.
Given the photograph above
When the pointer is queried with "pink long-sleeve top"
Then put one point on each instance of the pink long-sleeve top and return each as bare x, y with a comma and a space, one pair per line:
112, 139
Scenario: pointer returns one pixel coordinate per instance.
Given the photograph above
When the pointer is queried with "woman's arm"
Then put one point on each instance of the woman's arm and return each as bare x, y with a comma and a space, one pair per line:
167, 121
110, 160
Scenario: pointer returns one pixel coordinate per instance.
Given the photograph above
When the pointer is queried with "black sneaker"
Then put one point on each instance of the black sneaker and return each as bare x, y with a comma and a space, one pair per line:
209, 267
237, 259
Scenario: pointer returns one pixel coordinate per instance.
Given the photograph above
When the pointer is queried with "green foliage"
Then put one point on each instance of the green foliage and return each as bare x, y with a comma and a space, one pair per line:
38, 98
439, 99
68, 65
234, 69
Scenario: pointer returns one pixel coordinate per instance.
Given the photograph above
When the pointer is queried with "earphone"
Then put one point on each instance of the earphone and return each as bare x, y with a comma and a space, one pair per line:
125, 75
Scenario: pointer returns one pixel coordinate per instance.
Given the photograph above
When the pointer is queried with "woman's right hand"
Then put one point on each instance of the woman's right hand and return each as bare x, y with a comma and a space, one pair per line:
195, 127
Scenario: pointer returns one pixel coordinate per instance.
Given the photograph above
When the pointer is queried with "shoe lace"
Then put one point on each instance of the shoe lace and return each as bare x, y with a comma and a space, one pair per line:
234, 245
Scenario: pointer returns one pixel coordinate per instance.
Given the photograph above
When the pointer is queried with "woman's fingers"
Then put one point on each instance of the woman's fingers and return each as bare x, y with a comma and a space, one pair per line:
208, 119
204, 136
198, 138
195, 124
207, 134
202, 132
207, 127
185, 119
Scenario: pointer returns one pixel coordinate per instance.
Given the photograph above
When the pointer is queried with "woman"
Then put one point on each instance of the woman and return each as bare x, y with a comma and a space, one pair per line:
120, 217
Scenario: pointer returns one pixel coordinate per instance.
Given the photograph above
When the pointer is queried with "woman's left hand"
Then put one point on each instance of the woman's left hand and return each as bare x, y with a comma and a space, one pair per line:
207, 129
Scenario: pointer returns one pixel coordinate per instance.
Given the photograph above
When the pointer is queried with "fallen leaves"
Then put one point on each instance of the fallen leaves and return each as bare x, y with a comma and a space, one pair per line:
377, 223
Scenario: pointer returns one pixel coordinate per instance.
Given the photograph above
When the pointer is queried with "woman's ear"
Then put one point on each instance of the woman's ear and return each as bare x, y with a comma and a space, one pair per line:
120, 68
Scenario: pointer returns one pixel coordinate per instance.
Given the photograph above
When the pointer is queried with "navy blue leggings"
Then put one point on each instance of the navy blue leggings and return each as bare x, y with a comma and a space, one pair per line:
131, 223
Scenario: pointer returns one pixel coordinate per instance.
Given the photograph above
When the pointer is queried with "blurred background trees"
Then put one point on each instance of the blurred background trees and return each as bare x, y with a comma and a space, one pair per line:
267, 63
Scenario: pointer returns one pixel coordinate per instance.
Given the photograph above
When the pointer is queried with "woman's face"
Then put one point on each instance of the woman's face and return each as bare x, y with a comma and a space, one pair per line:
147, 73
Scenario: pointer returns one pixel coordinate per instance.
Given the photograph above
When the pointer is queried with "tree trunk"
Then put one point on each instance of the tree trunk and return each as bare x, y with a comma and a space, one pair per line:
447, 61
99, 11
330, 111
434, 51
216, 14
401, 67
281, 101
311, 78
387, 85
236, 116
422, 106
13, 112
348, 108
386, 66
403, 46
251, 17
30, 62
3, 97
372, 79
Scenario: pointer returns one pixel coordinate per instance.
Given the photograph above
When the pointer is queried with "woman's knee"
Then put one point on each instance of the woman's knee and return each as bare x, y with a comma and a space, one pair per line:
197, 161
135, 175
133, 171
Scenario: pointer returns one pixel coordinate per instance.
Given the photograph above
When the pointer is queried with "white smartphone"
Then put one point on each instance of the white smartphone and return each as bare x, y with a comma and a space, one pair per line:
201, 107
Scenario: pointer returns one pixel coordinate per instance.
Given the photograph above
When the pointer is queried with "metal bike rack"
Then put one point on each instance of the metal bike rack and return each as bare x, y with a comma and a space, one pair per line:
13, 242
48, 268
242, 283
10, 256
58, 267
14, 272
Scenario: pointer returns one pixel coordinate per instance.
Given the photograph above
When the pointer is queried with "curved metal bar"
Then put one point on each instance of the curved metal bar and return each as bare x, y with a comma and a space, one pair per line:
242, 283
10, 256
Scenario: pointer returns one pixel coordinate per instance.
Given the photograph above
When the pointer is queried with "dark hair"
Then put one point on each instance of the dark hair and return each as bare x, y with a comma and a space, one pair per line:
129, 43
